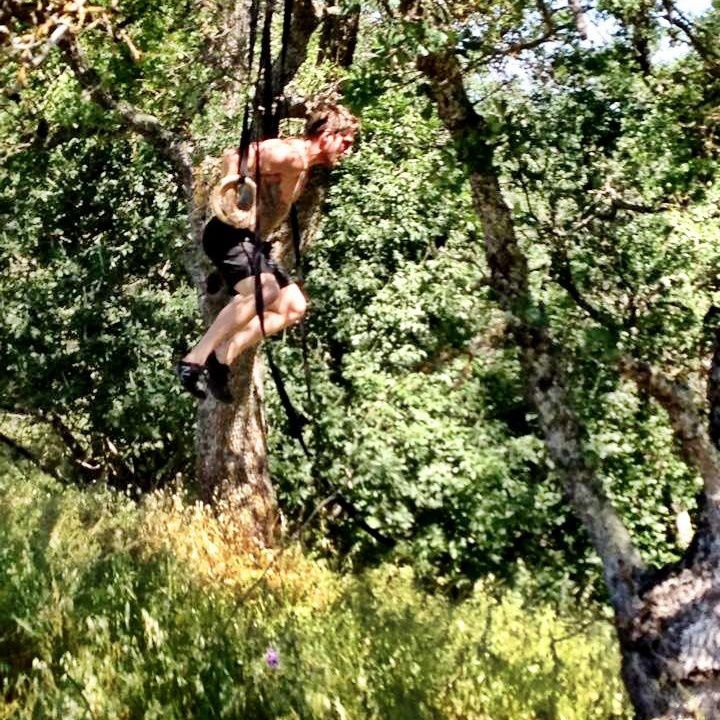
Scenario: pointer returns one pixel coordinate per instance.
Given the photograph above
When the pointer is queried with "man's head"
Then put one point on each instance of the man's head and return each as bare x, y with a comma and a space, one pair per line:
332, 127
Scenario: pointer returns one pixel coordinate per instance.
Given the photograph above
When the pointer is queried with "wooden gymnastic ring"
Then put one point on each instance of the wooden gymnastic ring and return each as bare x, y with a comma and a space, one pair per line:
235, 203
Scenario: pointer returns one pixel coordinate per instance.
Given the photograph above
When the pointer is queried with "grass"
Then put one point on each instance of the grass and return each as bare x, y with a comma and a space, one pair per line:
111, 608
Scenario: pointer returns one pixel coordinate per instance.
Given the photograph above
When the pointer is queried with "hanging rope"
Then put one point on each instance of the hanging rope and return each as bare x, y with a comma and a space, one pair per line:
262, 116
265, 119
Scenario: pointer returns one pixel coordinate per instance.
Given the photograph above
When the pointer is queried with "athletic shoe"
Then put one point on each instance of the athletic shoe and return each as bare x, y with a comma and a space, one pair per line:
218, 375
189, 373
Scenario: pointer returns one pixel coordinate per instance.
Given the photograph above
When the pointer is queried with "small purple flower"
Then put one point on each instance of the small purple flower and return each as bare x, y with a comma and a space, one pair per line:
272, 658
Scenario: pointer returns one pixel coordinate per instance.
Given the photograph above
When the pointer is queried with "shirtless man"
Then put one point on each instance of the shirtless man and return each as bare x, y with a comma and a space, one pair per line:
284, 165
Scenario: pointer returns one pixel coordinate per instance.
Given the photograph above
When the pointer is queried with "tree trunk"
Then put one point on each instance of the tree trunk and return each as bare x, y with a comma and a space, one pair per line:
539, 356
231, 443
671, 647
668, 622
232, 462
339, 34
232, 452
230, 439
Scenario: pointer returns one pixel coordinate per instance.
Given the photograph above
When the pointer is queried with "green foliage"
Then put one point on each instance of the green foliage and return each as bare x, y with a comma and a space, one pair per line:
419, 409
610, 174
94, 227
98, 619
612, 181
95, 301
420, 415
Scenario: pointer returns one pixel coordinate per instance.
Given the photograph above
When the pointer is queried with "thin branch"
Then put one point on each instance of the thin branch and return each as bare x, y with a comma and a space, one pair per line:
171, 145
522, 45
618, 203
141, 122
703, 49
560, 267
511, 49
546, 14
89, 470
55, 37
388, 10
562, 273
78, 454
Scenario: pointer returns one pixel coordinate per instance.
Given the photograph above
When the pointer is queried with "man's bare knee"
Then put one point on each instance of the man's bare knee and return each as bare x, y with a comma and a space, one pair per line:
296, 309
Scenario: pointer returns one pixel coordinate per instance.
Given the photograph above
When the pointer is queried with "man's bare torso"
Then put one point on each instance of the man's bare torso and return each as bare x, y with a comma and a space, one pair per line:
283, 174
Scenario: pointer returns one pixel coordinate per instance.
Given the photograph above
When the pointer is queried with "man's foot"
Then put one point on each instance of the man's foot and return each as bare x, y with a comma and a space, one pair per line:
217, 381
189, 373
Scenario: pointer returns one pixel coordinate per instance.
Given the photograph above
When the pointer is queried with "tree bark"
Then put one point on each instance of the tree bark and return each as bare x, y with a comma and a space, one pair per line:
713, 383
689, 427
338, 37
671, 649
232, 462
668, 621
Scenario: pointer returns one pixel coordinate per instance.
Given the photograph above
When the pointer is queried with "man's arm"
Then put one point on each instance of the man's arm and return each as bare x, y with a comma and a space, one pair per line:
276, 158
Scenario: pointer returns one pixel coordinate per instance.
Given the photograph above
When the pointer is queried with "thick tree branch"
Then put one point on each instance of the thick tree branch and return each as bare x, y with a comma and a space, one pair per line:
304, 23
338, 36
689, 427
581, 24
562, 272
540, 357
143, 123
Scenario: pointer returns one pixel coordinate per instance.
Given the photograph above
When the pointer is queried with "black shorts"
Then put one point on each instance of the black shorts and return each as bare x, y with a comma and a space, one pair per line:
236, 256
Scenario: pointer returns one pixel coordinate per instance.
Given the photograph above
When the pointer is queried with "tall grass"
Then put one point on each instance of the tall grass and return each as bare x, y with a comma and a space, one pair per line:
113, 609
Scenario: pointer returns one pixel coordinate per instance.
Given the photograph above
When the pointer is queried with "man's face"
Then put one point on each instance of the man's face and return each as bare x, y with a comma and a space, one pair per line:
337, 144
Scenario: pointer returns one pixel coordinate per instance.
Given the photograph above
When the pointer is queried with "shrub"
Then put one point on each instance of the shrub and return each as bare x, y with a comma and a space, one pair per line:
110, 609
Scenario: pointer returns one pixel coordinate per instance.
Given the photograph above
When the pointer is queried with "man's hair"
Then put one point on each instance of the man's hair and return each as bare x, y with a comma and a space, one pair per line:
330, 117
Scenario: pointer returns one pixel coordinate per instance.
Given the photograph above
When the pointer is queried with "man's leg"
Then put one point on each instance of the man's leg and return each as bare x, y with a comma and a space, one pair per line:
234, 315
288, 309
